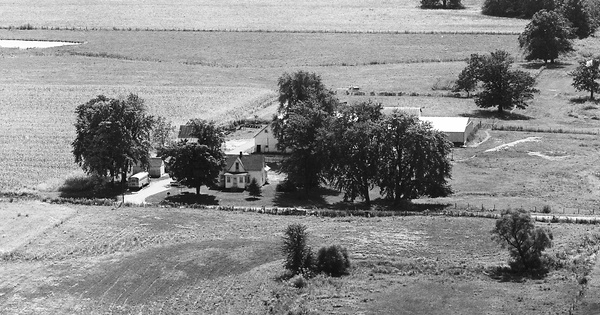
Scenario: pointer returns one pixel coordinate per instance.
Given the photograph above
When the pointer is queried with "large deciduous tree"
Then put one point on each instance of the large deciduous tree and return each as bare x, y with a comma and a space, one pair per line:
516, 231
469, 76
577, 13
516, 8
194, 164
585, 76
413, 159
501, 87
351, 148
162, 132
112, 135
441, 4
305, 105
546, 37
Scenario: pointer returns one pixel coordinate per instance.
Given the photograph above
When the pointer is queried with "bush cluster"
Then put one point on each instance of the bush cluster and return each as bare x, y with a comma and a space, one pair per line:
300, 259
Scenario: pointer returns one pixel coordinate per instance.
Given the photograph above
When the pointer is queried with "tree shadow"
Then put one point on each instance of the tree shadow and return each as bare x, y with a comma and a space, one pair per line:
190, 198
583, 99
550, 66
251, 198
381, 204
507, 274
494, 114
300, 198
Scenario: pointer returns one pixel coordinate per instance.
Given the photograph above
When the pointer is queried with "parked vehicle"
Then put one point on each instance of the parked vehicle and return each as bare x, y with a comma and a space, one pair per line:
138, 180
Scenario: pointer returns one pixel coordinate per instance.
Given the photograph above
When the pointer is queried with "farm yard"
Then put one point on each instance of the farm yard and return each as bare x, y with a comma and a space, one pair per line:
221, 62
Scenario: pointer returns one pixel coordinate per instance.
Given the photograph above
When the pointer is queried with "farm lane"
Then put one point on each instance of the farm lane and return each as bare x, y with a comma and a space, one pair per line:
155, 187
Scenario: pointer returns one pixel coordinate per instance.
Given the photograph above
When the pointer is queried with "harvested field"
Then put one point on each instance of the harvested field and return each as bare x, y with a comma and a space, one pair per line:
156, 260
305, 15
37, 137
269, 50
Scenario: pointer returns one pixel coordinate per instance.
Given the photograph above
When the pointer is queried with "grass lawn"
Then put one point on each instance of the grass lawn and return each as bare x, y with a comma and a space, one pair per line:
168, 260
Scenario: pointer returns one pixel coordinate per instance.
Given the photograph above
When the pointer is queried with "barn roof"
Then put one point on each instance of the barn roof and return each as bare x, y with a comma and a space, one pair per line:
447, 124
185, 131
254, 162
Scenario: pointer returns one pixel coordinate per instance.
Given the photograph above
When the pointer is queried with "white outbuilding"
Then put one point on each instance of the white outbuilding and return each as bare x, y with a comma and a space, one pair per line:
457, 129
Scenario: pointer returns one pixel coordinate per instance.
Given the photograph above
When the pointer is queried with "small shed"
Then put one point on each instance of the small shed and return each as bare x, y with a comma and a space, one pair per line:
157, 167
456, 129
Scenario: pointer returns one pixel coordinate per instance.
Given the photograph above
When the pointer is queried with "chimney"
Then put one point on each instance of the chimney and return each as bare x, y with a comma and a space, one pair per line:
240, 154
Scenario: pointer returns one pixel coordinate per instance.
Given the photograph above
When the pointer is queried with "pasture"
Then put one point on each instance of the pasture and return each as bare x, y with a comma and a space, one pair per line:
95, 260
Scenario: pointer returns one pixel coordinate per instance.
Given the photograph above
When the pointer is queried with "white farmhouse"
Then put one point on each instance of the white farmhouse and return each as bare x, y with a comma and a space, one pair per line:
241, 169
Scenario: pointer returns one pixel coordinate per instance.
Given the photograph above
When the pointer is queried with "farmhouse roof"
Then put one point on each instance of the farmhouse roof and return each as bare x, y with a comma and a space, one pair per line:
185, 131
447, 124
416, 111
251, 162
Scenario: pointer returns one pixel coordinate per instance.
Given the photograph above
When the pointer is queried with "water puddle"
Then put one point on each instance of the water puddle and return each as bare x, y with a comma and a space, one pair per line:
29, 44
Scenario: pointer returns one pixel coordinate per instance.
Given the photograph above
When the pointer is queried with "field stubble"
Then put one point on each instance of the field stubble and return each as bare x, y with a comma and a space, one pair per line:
305, 15
228, 262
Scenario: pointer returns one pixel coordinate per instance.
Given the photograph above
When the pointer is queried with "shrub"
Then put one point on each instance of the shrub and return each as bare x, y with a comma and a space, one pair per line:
299, 281
286, 186
546, 209
298, 255
82, 183
333, 260
515, 230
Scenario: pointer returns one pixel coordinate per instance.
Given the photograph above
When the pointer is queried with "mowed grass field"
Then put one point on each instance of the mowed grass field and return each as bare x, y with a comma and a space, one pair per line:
338, 15
95, 260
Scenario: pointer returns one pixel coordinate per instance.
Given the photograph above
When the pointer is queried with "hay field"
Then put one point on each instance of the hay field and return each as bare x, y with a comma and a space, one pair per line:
270, 50
164, 261
304, 15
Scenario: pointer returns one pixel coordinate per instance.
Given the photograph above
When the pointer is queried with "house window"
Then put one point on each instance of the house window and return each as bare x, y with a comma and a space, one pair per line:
237, 166
229, 179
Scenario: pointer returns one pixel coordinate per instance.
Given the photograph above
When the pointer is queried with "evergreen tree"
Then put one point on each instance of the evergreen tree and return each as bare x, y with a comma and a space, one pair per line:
254, 189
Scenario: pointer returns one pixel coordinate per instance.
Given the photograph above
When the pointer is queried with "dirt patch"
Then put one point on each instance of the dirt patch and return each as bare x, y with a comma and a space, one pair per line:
550, 157
512, 144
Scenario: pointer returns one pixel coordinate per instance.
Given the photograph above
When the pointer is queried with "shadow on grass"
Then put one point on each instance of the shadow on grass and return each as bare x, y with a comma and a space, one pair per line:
584, 99
300, 198
189, 199
104, 192
549, 66
506, 274
494, 114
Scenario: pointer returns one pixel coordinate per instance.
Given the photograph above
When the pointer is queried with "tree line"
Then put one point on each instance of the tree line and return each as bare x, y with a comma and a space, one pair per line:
355, 148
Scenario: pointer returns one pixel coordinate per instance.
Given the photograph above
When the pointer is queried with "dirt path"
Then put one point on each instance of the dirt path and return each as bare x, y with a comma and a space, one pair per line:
512, 144
155, 187
487, 137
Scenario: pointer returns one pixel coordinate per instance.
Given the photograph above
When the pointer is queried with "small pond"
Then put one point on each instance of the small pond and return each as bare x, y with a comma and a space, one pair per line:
28, 44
